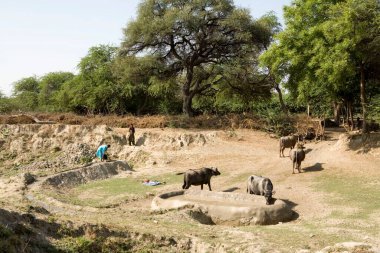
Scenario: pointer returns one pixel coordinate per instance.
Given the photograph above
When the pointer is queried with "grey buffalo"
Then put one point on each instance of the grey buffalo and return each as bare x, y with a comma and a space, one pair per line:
260, 186
287, 142
199, 177
297, 156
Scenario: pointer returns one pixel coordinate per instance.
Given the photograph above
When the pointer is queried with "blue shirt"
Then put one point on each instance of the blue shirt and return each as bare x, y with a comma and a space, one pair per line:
101, 150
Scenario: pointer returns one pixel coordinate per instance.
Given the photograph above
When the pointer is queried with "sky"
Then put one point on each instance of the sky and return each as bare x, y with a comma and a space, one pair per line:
42, 36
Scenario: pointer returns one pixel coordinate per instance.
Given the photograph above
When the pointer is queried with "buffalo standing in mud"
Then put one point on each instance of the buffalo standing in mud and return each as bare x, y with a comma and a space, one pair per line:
260, 186
199, 177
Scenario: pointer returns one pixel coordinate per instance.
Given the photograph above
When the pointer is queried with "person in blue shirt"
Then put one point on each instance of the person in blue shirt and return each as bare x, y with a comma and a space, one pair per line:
101, 152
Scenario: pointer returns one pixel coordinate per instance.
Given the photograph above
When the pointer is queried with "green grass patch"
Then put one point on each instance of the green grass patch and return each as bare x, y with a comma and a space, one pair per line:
355, 192
243, 177
354, 202
169, 178
292, 237
239, 178
110, 192
83, 244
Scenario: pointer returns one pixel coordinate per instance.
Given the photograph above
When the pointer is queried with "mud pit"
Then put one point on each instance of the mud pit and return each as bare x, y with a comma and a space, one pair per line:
224, 208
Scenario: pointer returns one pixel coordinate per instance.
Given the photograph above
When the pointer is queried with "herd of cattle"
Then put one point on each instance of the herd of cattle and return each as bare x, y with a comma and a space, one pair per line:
257, 185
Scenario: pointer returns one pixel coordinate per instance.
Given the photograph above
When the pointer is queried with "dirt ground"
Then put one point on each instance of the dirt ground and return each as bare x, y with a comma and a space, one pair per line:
336, 198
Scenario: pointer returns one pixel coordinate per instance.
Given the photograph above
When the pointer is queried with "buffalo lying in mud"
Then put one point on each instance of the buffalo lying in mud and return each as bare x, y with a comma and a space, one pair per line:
199, 177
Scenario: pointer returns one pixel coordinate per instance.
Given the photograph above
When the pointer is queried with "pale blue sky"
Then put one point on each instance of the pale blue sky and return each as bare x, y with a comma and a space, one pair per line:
42, 36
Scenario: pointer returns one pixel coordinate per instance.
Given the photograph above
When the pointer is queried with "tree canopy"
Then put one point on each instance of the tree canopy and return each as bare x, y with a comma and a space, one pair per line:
95, 89
328, 49
49, 87
191, 38
26, 92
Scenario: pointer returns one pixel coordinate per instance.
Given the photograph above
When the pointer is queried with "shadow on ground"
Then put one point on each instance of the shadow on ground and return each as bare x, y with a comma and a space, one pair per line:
314, 168
307, 151
291, 204
25, 233
232, 189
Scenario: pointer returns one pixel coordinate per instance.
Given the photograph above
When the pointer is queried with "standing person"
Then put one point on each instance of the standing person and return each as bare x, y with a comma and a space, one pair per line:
101, 152
131, 136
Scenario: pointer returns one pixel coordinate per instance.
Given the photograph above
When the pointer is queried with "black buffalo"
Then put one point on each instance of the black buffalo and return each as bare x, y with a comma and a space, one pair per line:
199, 177
287, 142
297, 156
260, 186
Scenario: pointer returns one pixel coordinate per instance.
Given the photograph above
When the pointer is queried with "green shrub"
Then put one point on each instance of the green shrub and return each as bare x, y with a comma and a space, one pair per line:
4, 232
86, 159
100, 244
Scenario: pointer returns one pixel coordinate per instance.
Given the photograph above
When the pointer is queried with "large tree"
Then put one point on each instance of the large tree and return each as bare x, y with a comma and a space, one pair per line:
25, 93
189, 37
49, 86
146, 92
353, 31
269, 27
5, 103
326, 48
95, 89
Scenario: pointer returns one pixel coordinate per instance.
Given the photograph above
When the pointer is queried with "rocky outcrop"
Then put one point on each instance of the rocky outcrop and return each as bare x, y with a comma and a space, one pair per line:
83, 175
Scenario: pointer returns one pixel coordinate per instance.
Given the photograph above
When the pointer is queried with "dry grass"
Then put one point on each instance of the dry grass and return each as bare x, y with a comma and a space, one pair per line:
233, 121
304, 124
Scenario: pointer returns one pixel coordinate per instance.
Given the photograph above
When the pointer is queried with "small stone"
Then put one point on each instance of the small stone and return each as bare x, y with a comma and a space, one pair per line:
311, 235
155, 221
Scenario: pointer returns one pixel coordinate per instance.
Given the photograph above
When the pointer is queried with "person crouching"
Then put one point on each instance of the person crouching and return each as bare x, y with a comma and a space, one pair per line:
101, 152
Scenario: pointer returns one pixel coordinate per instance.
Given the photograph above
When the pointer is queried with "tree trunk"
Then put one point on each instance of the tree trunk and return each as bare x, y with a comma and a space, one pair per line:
308, 109
283, 106
186, 105
342, 112
336, 112
350, 116
187, 95
363, 97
